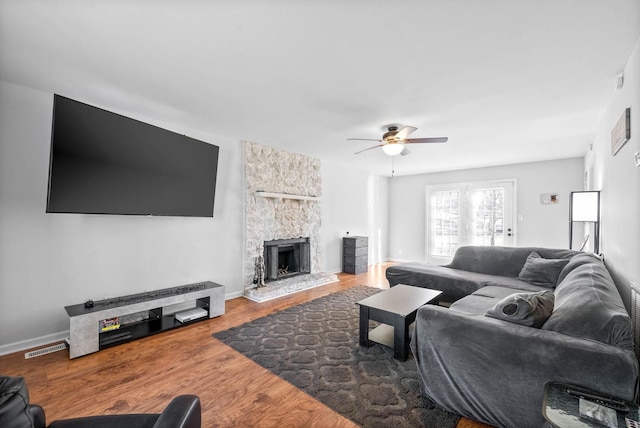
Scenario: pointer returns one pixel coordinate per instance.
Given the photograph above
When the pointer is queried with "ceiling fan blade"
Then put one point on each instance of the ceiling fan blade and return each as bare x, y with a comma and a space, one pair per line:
405, 152
374, 147
404, 132
364, 139
426, 140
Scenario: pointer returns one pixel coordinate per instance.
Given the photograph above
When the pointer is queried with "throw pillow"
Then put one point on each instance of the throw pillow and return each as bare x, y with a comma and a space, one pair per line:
530, 309
541, 271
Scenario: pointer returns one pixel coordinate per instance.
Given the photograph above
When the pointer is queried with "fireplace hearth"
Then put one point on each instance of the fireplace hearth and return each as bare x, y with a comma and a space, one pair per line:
284, 258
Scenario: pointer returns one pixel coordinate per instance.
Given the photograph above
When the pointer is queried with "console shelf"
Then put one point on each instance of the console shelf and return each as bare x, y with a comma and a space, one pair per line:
138, 315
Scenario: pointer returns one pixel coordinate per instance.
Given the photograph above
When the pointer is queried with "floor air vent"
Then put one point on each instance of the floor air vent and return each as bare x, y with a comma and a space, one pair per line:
635, 317
45, 351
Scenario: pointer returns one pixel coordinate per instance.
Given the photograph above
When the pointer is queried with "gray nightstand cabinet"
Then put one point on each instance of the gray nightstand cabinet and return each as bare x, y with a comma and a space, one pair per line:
355, 254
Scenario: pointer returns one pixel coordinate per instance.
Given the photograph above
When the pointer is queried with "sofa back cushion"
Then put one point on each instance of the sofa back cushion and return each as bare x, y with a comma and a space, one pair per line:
588, 305
14, 403
502, 261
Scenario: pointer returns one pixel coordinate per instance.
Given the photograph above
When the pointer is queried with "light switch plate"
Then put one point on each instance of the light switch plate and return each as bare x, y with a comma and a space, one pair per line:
636, 157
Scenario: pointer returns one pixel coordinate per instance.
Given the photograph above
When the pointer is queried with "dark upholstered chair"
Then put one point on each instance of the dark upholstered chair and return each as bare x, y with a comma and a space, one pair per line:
16, 412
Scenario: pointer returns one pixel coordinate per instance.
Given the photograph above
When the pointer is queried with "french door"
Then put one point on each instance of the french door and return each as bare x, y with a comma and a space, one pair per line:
468, 214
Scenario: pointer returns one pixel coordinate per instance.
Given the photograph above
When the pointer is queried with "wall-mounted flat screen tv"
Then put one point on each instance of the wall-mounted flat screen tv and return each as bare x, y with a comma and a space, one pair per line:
105, 163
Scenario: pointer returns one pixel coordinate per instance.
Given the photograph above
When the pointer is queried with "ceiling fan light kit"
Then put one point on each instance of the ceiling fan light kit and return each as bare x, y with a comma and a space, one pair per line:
393, 149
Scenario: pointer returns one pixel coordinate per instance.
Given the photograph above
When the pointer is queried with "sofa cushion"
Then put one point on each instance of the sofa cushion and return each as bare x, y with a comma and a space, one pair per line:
540, 271
589, 306
486, 298
499, 291
530, 309
473, 304
14, 403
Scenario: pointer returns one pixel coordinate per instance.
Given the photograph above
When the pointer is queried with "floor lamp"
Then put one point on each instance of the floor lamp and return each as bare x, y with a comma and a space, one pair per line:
584, 207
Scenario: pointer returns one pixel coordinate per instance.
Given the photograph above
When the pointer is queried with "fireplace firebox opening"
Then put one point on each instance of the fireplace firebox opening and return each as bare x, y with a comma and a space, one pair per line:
284, 258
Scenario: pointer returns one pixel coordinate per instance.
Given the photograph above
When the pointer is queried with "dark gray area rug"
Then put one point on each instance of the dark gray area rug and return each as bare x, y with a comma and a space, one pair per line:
315, 347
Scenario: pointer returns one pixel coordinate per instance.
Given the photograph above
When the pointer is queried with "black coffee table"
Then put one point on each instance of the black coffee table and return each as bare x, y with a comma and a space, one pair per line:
396, 308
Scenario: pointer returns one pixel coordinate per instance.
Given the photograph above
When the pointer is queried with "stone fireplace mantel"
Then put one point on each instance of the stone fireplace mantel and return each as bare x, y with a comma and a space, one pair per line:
286, 196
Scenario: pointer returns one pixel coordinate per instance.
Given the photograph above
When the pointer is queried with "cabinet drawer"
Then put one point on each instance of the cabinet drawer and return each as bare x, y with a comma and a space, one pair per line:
356, 260
347, 268
356, 251
355, 241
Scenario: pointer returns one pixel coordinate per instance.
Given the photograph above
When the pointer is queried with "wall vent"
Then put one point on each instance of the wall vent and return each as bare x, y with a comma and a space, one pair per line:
45, 351
635, 317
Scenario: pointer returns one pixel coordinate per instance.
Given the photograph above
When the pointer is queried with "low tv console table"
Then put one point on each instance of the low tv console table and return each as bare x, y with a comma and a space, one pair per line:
110, 322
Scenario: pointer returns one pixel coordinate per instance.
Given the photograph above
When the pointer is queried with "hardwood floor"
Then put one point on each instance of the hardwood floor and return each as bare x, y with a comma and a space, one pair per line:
144, 375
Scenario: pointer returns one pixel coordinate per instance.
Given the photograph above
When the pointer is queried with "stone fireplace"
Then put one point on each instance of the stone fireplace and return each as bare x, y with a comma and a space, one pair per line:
282, 204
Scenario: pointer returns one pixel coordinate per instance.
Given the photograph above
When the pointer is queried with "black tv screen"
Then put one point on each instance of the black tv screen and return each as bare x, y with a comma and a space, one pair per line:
105, 163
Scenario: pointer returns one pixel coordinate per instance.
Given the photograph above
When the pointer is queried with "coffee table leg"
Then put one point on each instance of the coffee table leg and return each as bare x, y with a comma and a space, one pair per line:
400, 338
364, 326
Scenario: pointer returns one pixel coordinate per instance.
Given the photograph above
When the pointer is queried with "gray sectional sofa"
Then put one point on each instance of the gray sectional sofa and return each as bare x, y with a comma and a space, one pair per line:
520, 317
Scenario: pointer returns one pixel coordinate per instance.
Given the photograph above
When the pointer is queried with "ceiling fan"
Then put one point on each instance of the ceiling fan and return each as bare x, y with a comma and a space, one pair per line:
393, 141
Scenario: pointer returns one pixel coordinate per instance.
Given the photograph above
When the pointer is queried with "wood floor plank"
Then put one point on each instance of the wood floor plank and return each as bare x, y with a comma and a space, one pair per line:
144, 375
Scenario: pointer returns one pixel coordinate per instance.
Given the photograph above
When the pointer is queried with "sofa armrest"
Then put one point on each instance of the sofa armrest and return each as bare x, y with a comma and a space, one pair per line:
38, 416
454, 284
183, 412
495, 371
108, 421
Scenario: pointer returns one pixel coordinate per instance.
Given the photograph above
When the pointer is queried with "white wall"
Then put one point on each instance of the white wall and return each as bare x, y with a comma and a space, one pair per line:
355, 202
48, 261
619, 180
541, 225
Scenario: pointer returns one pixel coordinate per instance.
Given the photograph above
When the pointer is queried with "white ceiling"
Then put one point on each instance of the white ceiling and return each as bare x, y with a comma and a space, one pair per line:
507, 81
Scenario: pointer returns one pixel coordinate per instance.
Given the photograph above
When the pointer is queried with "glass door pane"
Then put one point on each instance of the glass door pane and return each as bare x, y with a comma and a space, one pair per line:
445, 222
468, 214
491, 215
488, 217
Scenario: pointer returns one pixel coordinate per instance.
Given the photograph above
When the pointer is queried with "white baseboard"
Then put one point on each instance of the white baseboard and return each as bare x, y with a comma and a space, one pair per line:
233, 295
34, 343
400, 260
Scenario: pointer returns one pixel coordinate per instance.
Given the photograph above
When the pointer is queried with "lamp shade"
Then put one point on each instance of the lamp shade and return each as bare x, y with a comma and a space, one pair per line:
393, 149
585, 206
